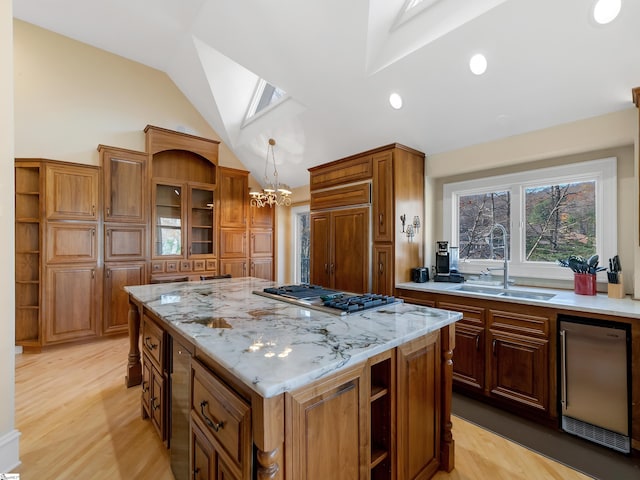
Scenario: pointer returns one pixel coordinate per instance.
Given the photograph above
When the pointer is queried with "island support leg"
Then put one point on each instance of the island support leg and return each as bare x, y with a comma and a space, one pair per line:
447, 444
268, 436
134, 367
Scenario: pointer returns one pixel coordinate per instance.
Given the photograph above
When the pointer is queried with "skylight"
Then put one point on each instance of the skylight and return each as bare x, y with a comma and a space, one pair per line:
411, 8
266, 96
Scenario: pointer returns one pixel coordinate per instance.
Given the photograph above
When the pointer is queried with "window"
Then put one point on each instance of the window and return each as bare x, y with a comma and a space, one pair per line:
266, 96
300, 220
548, 214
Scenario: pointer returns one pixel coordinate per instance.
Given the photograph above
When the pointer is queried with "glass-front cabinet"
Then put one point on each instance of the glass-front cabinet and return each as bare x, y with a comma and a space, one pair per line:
168, 214
184, 233
201, 232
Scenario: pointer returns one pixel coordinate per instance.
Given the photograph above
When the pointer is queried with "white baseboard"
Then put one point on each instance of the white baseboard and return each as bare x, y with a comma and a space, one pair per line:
18, 349
9, 451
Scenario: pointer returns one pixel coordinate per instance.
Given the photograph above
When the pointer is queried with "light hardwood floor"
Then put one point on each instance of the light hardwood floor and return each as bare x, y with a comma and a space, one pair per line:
79, 421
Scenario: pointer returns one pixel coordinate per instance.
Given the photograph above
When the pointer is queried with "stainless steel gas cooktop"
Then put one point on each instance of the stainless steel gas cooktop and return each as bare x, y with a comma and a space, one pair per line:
327, 300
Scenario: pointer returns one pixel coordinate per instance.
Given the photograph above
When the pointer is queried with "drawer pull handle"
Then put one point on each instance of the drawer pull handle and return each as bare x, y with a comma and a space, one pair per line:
493, 346
145, 387
154, 405
216, 426
477, 342
148, 344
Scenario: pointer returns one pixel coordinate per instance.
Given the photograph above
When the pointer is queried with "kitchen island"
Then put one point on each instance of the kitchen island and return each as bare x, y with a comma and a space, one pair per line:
282, 391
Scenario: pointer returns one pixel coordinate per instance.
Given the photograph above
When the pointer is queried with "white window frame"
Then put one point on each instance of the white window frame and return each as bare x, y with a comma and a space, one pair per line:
603, 171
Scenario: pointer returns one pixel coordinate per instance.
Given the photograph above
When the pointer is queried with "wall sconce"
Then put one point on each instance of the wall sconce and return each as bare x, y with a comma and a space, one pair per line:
412, 229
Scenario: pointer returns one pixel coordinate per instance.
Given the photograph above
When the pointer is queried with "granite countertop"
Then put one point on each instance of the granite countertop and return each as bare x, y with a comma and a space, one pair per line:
562, 299
273, 346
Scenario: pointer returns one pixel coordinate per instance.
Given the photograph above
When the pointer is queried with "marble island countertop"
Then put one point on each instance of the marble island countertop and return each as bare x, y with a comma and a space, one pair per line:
273, 346
562, 299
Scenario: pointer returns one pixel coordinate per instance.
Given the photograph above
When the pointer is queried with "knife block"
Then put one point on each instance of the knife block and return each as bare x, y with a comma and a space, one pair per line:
616, 290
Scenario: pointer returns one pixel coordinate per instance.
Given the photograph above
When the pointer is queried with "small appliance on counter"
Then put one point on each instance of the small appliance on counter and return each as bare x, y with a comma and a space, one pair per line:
420, 275
447, 264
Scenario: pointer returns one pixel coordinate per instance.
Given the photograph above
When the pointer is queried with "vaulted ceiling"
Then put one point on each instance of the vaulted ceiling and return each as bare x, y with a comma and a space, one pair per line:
339, 60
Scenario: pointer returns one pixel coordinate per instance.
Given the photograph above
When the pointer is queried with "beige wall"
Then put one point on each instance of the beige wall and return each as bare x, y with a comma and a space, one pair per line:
8, 435
599, 137
71, 97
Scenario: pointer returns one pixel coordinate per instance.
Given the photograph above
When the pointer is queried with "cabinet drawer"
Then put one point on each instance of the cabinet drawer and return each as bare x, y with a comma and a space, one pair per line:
341, 172
124, 243
153, 341
226, 416
470, 315
157, 267
211, 265
521, 324
186, 266
198, 265
171, 266
342, 197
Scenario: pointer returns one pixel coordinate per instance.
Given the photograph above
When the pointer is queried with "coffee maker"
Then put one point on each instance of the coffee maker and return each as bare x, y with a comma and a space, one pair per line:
447, 264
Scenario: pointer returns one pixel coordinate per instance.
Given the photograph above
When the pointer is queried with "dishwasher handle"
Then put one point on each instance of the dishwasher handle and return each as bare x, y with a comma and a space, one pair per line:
563, 369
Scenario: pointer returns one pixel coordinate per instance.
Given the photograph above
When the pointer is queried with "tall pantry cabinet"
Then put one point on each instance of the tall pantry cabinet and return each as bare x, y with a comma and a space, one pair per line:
358, 242
58, 258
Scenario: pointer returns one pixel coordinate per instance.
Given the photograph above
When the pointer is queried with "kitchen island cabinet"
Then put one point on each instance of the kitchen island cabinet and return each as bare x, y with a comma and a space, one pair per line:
285, 392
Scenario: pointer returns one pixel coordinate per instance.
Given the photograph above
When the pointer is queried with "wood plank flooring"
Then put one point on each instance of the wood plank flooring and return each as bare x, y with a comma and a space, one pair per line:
79, 421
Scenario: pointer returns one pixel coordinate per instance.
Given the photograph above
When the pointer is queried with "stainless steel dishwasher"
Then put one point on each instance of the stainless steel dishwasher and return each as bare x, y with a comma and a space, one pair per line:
180, 407
595, 380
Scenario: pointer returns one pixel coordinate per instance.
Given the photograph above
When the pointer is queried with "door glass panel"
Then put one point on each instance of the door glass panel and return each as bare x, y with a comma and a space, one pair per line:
201, 222
168, 223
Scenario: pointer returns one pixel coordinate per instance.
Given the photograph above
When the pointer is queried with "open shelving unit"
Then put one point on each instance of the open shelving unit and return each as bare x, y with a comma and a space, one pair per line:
382, 406
28, 250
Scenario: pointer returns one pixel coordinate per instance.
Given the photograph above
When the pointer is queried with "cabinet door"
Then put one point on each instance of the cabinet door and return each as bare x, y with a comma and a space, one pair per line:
418, 407
262, 268
233, 243
201, 236
328, 422
261, 217
234, 195
203, 455
115, 317
519, 369
167, 220
124, 242
320, 254
261, 243
383, 269
350, 249
71, 193
71, 243
233, 267
71, 303
383, 219
125, 185
468, 358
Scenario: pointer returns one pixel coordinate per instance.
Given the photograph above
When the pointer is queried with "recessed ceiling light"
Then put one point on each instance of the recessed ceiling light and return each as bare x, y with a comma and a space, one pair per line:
395, 100
478, 64
606, 11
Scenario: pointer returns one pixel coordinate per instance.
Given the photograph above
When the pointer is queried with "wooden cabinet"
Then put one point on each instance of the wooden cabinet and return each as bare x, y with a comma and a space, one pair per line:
233, 214
155, 401
261, 242
125, 187
340, 249
71, 301
328, 421
71, 192
116, 308
390, 181
418, 395
469, 355
58, 274
222, 422
503, 353
28, 253
519, 363
382, 401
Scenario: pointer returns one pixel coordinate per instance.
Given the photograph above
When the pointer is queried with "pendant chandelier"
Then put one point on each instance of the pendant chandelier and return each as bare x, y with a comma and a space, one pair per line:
274, 193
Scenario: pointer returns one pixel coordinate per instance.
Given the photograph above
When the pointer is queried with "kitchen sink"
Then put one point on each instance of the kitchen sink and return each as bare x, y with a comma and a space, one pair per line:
501, 292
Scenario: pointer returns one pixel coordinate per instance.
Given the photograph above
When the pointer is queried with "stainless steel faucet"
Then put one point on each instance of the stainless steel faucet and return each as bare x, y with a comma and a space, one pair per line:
505, 251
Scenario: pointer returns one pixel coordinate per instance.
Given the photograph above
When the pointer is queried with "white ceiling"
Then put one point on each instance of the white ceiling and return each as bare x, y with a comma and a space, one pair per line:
338, 60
